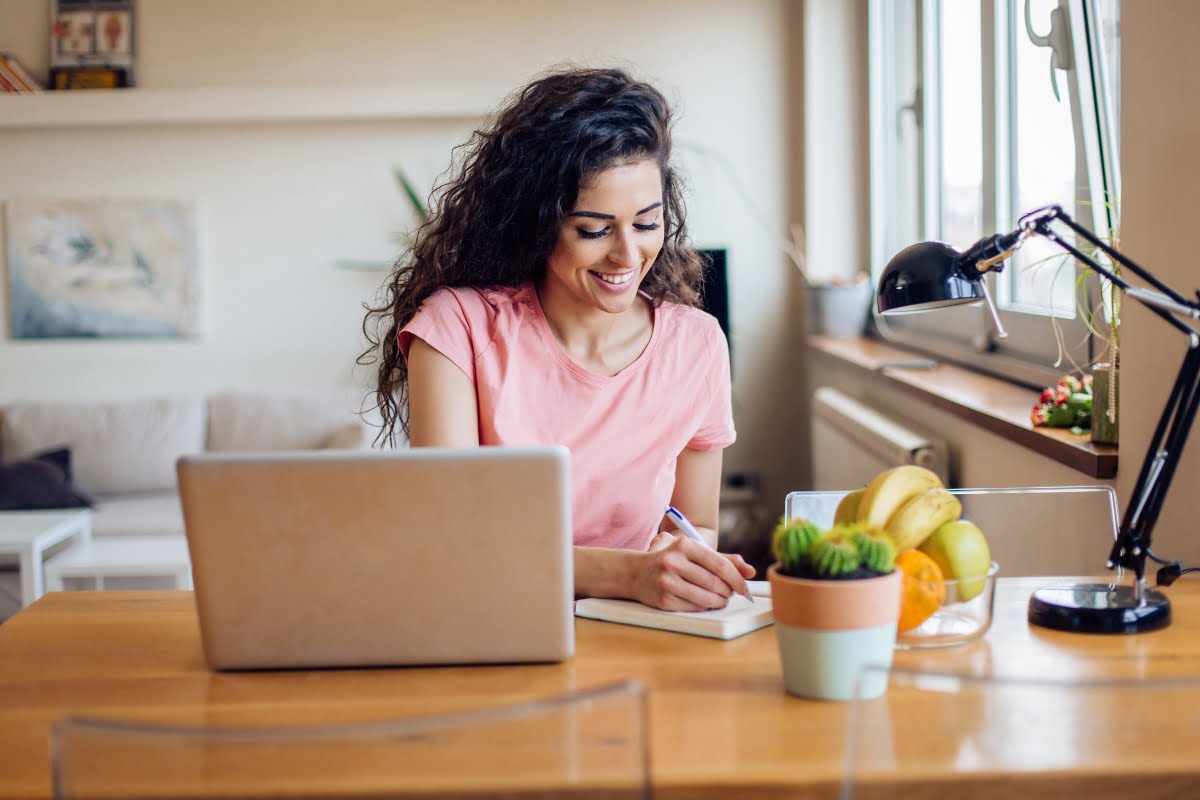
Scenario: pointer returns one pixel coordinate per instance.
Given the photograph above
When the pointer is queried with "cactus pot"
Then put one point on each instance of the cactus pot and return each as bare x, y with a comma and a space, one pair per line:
828, 630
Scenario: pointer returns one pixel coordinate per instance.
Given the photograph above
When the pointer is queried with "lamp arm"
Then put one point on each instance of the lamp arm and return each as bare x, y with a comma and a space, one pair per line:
1042, 226
1132, 546
1157, 470
1056, 212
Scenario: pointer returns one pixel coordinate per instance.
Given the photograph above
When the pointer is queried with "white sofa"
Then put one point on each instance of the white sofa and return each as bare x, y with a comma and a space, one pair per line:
123, 451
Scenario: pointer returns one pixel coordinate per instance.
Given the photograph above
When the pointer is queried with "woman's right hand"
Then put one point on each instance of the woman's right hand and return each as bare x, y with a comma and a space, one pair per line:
685, 575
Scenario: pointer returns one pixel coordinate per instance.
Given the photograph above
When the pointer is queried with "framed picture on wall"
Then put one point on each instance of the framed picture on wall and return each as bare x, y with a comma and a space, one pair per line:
102, 269
91, 44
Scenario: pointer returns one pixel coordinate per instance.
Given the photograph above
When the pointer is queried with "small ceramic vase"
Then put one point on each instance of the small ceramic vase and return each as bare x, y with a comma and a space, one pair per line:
828, 630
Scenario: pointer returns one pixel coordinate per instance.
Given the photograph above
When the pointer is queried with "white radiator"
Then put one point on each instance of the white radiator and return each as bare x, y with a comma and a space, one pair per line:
852, 443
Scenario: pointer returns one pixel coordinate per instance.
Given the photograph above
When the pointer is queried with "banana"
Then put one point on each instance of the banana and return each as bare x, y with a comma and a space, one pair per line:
914, 521
891, 489
847, 509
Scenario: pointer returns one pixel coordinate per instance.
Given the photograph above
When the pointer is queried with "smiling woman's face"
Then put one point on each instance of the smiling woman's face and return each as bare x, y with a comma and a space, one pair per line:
609, 241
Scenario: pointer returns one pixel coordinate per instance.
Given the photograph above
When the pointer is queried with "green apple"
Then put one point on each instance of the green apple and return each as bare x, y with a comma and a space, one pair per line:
961, 551
847, 509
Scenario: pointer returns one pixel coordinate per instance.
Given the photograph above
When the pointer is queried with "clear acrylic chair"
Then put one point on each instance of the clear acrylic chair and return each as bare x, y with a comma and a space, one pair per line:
939, 735
587, 744
1031, 531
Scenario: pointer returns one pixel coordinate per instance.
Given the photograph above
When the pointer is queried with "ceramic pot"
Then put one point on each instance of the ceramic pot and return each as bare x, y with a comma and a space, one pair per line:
840, 310
828, 630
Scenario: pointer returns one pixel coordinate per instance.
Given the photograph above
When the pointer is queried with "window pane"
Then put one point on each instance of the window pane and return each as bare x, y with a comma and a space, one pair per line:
961, 79
1110, 46
1042, 278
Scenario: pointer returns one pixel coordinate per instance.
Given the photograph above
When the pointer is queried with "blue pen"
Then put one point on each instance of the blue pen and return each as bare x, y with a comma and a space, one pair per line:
689, 530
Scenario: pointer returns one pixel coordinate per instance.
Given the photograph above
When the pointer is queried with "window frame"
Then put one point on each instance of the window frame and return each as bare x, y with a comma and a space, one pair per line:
965, 334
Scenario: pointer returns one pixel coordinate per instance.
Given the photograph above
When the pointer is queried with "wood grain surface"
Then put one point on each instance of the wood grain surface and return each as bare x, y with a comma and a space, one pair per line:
720, 722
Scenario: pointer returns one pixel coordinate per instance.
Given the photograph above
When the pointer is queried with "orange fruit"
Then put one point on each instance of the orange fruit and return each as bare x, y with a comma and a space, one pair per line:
922, 591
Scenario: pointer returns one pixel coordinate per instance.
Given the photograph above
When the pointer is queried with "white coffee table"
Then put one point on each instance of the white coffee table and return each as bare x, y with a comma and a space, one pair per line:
30, 534
125, 562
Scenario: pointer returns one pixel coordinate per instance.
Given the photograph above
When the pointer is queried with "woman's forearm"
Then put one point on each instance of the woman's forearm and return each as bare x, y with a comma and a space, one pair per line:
604, 572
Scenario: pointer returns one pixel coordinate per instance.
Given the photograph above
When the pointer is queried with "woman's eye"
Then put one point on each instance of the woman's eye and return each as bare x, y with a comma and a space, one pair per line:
653, 226
586, 234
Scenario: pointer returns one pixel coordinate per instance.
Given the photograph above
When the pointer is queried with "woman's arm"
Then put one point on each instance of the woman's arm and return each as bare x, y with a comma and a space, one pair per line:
677, 573
698, 490
443, 409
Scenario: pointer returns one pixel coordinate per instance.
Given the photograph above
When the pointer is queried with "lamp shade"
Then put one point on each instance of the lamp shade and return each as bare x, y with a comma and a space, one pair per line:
922, 277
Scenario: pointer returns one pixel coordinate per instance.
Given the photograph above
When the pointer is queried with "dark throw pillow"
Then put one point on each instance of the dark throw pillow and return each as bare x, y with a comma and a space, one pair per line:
41, 481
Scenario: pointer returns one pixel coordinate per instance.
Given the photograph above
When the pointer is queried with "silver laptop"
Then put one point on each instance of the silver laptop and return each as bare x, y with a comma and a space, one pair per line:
366, 558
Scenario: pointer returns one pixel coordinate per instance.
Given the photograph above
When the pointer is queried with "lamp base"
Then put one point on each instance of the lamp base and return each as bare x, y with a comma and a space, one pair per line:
1099, 608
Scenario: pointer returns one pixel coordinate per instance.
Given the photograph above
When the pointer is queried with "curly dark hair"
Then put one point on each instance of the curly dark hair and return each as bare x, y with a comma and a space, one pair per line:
495, 221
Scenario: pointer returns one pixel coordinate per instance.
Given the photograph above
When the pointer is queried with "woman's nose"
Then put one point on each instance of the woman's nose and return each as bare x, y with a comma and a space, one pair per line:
625, 252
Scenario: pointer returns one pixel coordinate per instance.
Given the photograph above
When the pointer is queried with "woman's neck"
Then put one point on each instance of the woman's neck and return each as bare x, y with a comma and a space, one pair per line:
598, 340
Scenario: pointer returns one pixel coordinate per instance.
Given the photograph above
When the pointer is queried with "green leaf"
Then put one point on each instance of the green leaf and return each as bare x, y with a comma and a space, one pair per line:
414, 199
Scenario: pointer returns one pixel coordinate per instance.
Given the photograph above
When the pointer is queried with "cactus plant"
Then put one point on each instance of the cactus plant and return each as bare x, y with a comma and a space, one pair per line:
792, 540
877, 549
803, 549
835, 555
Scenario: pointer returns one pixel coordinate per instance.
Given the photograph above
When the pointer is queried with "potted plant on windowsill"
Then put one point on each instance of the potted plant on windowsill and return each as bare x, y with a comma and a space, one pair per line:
837, 306
1102, 320
1106, 372
836, 600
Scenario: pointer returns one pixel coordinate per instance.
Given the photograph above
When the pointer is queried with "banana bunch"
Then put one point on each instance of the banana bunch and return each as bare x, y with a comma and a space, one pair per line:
908, 503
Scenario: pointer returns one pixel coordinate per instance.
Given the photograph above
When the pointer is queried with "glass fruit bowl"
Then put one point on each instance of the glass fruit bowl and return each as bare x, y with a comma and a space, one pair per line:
964, 616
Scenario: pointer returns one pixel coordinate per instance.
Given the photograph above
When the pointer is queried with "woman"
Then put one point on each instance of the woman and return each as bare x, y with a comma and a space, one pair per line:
551, 299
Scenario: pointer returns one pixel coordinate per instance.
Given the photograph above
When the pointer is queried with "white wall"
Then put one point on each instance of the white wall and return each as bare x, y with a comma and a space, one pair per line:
1160, 171
837, 178
281, 202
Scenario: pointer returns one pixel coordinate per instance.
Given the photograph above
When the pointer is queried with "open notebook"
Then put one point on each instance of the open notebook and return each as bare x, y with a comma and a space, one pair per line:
738, 617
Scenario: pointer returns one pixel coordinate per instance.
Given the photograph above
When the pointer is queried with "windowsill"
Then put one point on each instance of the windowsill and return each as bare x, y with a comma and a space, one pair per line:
990, 403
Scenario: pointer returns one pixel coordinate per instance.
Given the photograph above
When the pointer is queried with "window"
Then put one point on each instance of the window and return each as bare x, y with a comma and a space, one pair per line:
982, 110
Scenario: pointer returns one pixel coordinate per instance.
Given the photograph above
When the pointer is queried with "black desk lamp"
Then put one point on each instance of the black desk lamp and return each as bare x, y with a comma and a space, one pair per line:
933, 275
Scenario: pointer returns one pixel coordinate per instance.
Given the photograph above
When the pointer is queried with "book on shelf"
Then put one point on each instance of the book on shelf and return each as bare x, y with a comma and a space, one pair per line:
14, 78
740, 616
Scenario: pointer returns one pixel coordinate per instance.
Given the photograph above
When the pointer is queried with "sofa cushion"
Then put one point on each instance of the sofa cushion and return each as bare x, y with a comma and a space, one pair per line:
310, 421
41, 481
116, 446
156, 513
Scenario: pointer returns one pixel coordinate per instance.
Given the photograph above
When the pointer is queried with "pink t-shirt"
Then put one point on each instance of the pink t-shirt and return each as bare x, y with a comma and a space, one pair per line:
624, 432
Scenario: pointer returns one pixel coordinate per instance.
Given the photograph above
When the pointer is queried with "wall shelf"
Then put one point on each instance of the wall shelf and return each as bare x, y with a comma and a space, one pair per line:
114, 107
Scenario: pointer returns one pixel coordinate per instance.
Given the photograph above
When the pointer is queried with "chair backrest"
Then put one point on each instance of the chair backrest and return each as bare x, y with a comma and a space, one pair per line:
1037, 530
941, 735
589, 744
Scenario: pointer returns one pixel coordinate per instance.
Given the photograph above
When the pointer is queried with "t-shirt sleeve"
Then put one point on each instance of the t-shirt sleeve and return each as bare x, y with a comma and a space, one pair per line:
716, 429
447, 321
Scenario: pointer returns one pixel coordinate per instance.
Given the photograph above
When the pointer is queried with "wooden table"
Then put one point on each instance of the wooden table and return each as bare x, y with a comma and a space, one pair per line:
721, 724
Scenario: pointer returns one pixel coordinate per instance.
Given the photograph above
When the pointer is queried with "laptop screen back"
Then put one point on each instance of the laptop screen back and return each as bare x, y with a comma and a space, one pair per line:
361, 558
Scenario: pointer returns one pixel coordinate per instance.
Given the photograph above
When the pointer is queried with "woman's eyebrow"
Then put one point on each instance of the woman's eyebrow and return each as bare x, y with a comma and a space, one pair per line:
598, 215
